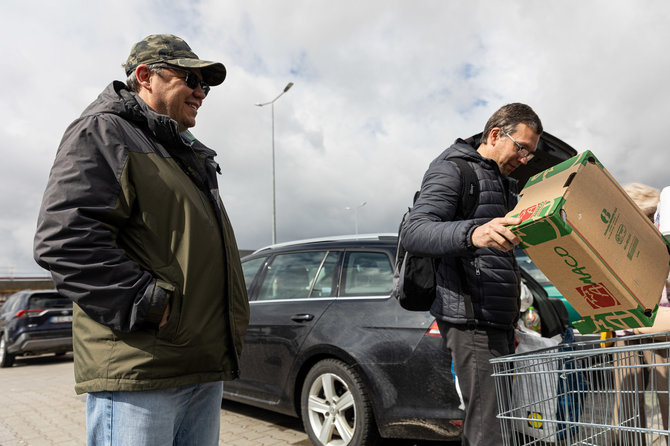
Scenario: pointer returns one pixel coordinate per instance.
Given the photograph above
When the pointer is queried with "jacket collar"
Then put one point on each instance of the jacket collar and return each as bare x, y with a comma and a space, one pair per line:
117, 99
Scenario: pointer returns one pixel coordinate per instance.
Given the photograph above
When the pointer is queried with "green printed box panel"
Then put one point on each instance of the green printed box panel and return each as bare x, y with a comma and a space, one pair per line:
617, 320
547, 228
536, 233
539, 210
582, 159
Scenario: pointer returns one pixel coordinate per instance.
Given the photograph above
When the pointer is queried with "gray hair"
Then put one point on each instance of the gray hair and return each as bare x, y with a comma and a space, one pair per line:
646, 197
132, 82
511, 115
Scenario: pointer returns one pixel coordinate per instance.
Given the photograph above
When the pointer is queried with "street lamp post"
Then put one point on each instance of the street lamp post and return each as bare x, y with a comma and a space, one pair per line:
348, 208
274, 199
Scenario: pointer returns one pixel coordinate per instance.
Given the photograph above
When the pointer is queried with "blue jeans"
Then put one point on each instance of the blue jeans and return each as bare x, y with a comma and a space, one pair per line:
188, 415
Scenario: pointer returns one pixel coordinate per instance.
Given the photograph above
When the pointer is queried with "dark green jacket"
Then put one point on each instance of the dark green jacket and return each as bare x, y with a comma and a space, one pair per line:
131, 220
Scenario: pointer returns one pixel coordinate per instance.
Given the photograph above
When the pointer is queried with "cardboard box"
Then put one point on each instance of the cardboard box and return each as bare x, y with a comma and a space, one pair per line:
595, 245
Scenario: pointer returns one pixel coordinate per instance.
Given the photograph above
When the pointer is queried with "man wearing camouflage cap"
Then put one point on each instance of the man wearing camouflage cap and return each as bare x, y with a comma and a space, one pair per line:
134, 232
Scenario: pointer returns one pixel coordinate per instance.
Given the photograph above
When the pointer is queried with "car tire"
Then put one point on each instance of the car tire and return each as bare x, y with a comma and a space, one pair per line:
6, 358
335, 408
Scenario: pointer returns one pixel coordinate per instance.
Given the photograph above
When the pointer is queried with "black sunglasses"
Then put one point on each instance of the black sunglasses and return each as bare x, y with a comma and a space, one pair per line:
191, 79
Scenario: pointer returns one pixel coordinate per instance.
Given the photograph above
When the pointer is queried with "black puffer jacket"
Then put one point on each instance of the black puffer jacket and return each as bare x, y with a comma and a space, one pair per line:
434, 229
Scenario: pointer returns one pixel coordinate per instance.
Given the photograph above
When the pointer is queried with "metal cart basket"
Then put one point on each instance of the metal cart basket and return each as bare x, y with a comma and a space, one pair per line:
586, 393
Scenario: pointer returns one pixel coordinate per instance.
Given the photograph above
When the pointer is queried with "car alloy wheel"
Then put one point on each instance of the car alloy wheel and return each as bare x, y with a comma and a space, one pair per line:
6, 358
335, 408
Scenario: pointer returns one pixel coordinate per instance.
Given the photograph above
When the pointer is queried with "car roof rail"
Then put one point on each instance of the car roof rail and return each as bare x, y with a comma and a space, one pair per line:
334, 238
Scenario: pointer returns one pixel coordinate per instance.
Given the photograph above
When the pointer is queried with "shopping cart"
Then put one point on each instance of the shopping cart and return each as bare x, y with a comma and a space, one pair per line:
586, 393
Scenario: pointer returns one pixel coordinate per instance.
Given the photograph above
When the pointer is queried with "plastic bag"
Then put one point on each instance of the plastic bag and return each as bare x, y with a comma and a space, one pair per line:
534, 388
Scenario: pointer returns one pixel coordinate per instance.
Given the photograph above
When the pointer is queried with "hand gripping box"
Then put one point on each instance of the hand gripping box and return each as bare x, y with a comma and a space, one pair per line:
595, 245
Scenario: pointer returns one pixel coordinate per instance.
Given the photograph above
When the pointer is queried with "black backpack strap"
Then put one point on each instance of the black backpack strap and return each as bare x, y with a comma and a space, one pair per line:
469, 188
467, 204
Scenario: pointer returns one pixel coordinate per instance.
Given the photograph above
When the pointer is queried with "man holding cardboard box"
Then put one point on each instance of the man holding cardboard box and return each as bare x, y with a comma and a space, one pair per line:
478, 280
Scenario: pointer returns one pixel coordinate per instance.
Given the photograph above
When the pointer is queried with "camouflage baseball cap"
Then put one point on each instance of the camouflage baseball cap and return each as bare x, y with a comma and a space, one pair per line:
172, 50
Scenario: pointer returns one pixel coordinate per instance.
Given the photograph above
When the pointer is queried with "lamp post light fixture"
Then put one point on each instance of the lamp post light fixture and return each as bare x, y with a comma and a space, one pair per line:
274, 199
348, 208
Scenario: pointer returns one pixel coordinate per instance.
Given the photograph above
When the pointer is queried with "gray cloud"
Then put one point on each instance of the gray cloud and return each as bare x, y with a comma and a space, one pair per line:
381, 87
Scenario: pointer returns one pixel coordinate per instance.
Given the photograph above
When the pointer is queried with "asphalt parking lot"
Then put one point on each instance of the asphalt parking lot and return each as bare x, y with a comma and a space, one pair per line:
38, 407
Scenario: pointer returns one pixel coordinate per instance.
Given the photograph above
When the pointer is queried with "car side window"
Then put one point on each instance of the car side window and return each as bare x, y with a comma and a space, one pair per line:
10, 304
290, 276
326, 281
250, 269
367, 274
4, 307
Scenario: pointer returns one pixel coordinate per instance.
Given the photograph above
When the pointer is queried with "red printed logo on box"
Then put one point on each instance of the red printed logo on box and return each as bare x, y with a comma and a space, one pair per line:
528, 212
597, 295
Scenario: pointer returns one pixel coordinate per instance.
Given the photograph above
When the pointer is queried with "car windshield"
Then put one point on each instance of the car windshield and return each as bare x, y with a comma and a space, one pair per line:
250, 269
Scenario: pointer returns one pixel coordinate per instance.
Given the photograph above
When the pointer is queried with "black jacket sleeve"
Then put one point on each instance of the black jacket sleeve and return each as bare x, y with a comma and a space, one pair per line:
83, 209
432, 228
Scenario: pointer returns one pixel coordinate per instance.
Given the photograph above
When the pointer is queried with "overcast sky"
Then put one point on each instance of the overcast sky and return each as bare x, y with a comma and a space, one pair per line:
381, 88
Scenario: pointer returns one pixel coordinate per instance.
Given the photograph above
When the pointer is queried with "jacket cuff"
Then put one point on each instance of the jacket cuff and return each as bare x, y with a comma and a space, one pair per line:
159, 301
468, 238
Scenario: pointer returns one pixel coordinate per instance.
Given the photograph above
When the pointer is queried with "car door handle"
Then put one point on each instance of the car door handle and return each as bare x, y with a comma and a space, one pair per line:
302, 317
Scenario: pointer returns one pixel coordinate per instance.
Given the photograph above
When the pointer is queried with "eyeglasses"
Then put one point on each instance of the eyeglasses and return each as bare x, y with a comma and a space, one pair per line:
521, 150
191, 79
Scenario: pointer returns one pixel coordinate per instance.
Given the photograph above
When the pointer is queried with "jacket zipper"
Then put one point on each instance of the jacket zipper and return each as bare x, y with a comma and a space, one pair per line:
478, 273
215, 208
194, 178
202, 201
231, 322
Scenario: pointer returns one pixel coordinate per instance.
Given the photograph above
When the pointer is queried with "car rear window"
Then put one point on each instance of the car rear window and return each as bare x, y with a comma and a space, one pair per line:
47, 301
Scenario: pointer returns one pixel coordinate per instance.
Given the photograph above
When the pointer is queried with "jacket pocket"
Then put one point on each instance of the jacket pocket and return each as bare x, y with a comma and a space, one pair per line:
170, 330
